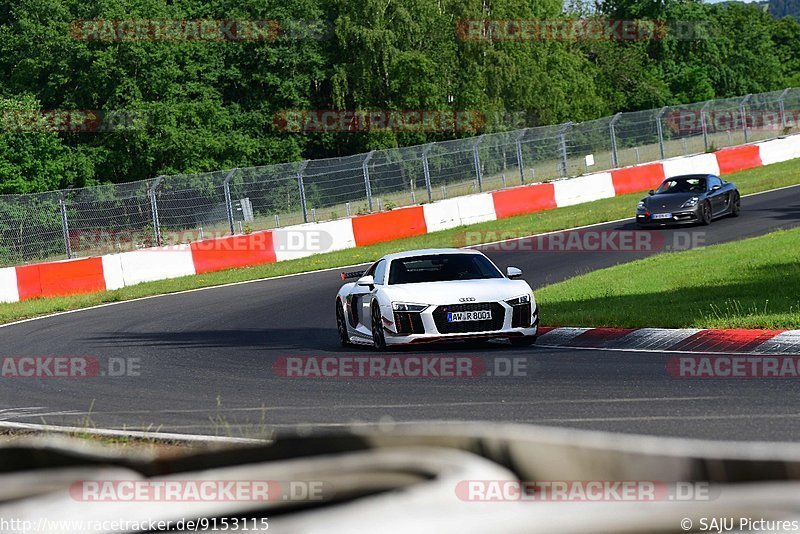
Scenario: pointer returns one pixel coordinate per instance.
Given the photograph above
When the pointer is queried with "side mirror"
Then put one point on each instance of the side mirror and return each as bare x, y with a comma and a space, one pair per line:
716, 187
651, 192
368, 280
513, 272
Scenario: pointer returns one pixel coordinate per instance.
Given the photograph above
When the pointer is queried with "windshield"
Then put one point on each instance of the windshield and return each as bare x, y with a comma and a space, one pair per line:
442, 268
683, 185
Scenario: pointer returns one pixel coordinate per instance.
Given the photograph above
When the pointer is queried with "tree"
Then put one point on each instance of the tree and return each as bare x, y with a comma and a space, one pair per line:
202, 105
786, 37
32, 157
784, 8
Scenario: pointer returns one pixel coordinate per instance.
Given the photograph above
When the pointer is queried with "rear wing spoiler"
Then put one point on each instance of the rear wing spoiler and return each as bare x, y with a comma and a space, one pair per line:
352, 274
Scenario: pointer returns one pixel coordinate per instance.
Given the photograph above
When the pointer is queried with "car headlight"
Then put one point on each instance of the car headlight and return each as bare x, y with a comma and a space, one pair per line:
692, 202
640, 206
406, 307
524, 299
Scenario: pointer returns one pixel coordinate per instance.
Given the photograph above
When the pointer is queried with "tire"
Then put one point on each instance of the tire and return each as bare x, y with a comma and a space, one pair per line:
378, 338
526, 341
736, 208
705, 214
341, 325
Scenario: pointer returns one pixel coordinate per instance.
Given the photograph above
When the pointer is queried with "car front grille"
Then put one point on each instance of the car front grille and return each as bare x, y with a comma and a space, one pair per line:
408, 323
496, 322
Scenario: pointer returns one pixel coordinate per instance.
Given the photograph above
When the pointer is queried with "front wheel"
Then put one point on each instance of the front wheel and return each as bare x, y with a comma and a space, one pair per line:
341, 325
525, 341
705, 214
378, 338
737, 205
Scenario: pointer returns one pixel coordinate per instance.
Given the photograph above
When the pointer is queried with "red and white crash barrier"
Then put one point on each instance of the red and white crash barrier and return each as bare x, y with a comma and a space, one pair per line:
129, 268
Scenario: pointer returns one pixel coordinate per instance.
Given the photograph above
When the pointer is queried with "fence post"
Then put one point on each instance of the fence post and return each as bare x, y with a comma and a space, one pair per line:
64, 224
477, 160
782, 107
660, 129
563, 136
520, 163
704, 125
226, 187
427, 170
743, 110
367, 185
614, 155
302, 189
154, 208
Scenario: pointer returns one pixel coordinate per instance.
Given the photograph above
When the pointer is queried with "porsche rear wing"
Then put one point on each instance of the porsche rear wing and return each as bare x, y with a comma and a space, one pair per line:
352, 275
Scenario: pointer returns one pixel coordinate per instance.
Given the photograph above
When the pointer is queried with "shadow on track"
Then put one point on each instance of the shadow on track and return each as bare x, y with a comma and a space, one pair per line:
322, 339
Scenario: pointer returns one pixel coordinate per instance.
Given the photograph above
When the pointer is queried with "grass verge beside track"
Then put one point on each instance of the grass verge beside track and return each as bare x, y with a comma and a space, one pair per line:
159, 448
751, 181
753, 283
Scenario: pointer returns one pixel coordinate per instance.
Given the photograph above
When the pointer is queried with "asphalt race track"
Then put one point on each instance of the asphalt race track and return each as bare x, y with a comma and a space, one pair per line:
206, 363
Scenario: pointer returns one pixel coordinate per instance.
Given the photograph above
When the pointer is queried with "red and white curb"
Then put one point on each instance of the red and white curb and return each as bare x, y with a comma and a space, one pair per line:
737, 341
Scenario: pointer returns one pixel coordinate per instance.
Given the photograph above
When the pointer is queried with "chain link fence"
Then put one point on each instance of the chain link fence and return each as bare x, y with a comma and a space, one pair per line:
169, 210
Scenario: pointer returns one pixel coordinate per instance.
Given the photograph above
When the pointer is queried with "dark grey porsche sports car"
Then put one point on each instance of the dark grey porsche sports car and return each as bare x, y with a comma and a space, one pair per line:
690, 199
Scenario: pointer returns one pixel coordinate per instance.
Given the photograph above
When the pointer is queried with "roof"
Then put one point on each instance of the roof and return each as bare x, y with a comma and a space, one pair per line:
691, 176
429, 252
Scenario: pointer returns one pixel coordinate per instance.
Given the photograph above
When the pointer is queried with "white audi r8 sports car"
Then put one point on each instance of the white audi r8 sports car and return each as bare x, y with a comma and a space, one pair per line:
435, 295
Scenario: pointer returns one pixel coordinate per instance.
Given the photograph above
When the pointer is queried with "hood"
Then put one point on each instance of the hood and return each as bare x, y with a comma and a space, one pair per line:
671, 201
438, 293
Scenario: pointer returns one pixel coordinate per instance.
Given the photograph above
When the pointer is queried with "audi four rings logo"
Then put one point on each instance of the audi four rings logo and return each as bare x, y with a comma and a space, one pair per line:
467, 299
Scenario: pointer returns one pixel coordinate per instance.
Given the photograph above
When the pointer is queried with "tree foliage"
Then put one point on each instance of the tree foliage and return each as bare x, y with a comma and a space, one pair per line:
784, 8
196, 106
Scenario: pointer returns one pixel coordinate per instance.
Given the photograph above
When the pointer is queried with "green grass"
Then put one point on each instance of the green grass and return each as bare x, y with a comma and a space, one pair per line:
753, 283
750, 181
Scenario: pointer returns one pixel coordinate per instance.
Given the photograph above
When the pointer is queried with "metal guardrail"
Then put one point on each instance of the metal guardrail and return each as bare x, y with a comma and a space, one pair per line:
177, 209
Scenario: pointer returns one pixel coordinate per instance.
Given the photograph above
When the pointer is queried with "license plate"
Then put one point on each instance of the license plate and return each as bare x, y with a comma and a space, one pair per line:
458, 317
661, 216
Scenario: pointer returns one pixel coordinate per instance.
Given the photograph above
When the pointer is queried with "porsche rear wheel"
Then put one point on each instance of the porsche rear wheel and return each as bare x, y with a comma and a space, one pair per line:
378, 338
341, 325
